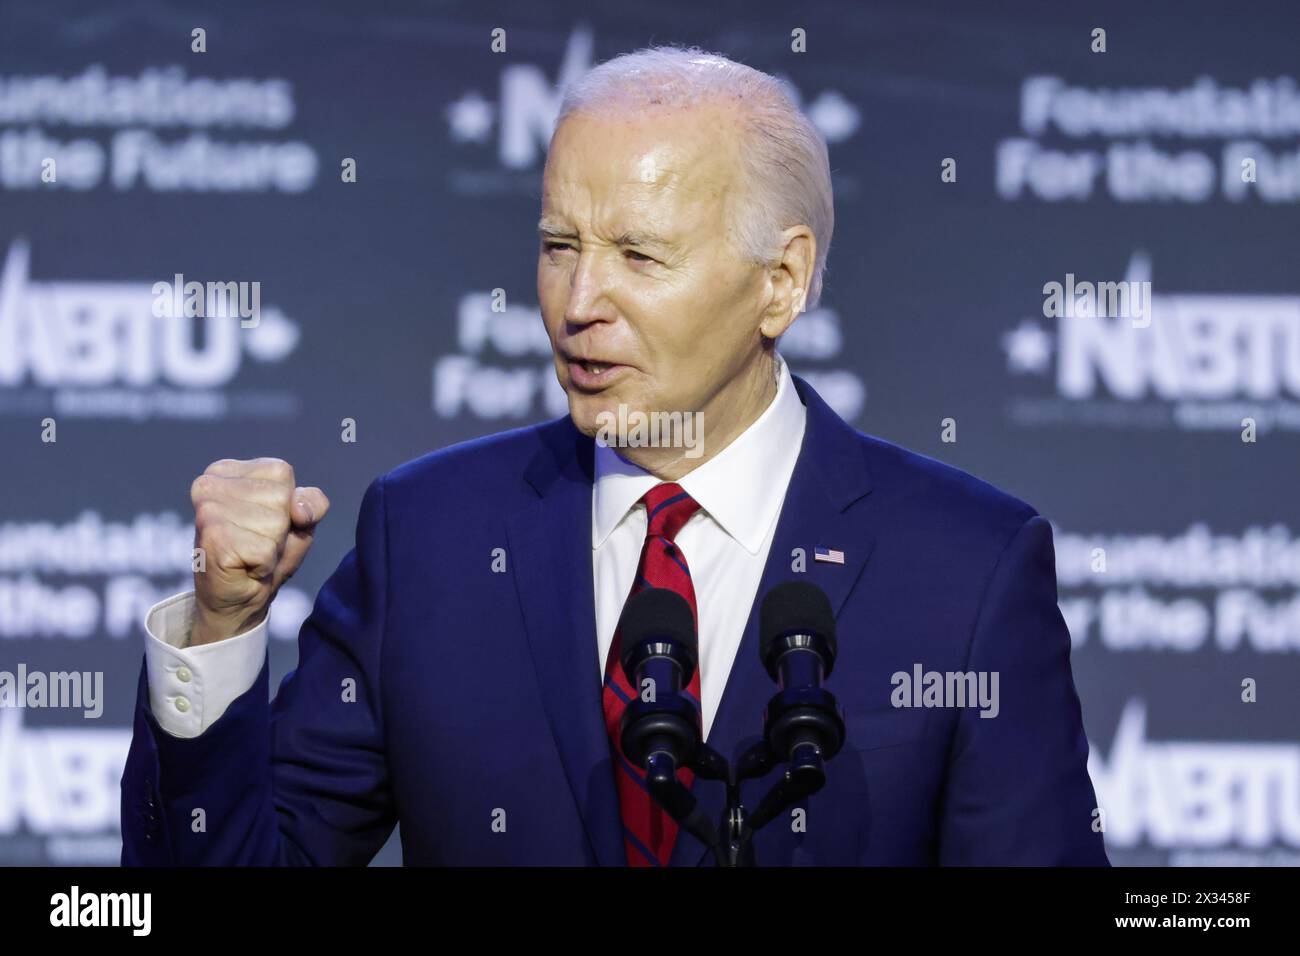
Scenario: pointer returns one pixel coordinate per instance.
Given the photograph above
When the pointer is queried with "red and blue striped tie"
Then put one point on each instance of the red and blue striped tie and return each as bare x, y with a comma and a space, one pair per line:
649, 832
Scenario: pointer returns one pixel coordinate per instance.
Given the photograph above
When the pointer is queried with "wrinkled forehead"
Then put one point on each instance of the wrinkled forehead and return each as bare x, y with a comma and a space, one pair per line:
676, 165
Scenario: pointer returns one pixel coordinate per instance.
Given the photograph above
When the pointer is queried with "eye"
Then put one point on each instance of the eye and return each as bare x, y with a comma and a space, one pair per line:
552, 246
641, 257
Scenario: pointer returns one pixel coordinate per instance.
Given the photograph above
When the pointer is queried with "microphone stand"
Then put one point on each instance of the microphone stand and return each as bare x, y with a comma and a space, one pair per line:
732, 839
676, 798
802, 724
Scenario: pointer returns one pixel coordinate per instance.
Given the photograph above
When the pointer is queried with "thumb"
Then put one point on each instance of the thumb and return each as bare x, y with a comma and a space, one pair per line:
309, 506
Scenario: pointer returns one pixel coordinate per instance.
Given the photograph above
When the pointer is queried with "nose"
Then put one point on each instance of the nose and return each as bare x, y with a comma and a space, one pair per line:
589, 290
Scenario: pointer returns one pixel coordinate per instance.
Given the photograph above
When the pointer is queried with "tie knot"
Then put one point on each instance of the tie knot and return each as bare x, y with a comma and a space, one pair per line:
667, 508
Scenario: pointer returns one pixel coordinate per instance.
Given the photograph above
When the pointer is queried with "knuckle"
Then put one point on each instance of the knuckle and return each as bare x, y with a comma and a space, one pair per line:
202, 487
207, 513
278, 470
221, 466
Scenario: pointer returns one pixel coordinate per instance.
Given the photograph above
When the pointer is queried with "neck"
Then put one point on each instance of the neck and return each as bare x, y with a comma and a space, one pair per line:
745, 401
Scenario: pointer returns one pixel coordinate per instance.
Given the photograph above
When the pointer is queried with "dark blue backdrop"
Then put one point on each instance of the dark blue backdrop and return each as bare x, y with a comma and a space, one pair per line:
376, 300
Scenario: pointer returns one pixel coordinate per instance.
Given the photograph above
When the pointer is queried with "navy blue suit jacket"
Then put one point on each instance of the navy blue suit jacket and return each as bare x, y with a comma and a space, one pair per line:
478, 698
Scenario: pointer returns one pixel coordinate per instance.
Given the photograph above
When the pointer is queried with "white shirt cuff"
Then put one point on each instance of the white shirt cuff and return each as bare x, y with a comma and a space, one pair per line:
191, 687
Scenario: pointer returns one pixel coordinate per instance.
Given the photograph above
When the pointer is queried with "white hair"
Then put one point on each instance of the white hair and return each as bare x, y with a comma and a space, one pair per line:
785, 164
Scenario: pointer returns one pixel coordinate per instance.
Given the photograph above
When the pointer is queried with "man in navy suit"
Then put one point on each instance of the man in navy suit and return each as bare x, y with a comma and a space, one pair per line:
458, 671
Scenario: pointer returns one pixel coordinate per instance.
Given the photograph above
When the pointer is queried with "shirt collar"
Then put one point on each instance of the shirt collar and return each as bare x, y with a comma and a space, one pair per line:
738, 487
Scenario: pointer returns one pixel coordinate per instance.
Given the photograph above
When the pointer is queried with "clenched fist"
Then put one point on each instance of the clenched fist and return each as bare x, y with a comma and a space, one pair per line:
254, 526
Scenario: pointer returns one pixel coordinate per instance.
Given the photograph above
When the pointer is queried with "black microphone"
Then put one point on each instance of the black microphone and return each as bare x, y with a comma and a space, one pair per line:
802, 723
659, 657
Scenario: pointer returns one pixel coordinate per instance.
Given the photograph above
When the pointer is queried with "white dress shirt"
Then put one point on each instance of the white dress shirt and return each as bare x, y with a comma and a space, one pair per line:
740, 491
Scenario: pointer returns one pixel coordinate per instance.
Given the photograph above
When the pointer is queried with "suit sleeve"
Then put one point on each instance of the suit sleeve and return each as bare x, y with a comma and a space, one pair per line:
1017, 791
302, 780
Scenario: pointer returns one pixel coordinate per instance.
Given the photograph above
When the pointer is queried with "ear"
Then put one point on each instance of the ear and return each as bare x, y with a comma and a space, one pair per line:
791, 277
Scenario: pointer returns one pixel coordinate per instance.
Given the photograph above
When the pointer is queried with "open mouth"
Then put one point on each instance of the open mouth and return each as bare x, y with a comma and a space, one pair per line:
590, 374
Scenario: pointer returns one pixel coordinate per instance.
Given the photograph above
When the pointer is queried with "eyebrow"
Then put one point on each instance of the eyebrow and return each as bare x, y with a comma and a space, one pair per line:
631, 237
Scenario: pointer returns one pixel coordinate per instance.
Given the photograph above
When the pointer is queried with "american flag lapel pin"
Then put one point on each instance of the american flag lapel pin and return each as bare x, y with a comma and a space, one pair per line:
829, 555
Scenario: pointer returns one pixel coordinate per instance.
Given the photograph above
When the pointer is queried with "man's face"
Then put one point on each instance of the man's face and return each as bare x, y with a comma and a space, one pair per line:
636, 271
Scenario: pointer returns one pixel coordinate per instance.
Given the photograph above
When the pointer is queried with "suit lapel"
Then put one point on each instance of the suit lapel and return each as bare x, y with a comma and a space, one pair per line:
550, 548
829, 477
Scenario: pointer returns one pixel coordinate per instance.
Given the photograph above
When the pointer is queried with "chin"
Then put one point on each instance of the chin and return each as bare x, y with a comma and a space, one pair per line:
586, 411
592, 411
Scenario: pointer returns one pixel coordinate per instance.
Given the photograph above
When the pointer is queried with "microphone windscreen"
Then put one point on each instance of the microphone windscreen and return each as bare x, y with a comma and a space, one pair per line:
658, 614
795, 607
